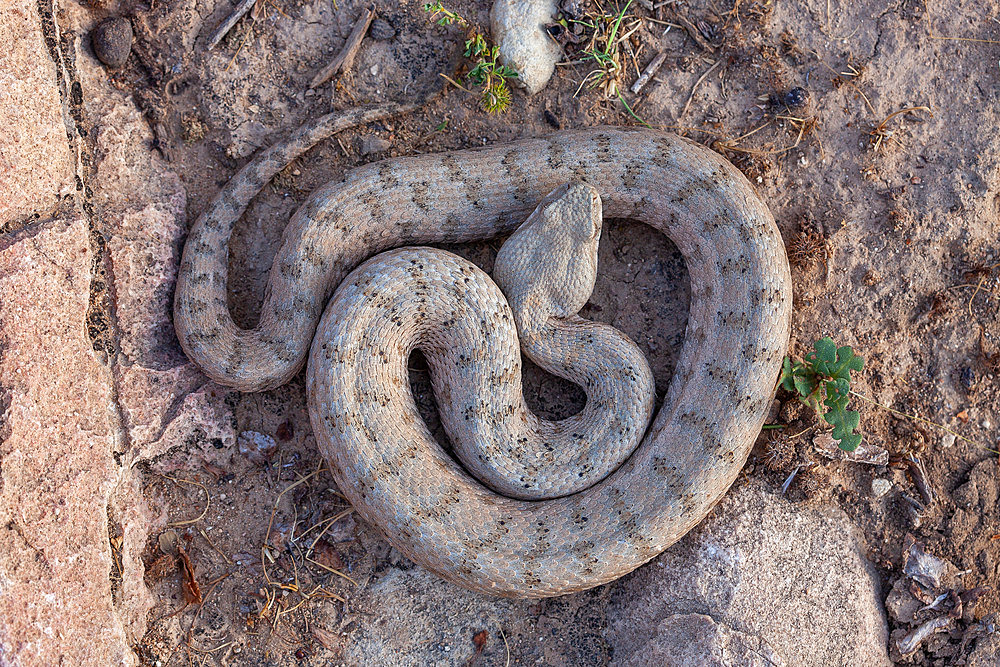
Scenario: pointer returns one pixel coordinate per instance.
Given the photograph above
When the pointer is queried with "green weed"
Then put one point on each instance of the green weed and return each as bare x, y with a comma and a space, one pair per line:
823, 382
486, 72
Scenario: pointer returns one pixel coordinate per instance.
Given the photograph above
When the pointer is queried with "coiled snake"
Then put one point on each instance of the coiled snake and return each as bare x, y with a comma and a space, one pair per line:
586, 531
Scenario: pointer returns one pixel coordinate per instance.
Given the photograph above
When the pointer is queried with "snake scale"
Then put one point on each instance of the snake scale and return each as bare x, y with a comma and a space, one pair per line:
383, 456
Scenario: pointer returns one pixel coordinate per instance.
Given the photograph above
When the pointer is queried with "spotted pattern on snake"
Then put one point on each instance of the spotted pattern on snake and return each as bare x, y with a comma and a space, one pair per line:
424, 502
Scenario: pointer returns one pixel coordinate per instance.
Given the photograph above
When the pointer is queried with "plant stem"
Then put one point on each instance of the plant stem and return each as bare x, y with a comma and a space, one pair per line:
629, 109
618, 22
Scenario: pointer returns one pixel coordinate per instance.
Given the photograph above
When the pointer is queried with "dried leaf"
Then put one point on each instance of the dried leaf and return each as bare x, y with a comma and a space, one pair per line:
922, 567
189, 585
912, 641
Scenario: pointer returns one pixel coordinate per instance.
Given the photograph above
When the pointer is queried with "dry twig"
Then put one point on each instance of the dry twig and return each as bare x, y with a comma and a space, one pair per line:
697, 83
880, 133
208, 501
227, 25
651, 69
345, 58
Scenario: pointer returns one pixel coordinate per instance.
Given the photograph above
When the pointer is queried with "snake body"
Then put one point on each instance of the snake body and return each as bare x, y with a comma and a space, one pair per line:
396, 475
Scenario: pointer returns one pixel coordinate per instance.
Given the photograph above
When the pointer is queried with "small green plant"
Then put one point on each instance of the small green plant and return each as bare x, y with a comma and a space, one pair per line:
443, 16
823, 382
486, 71
603, 50
489, 74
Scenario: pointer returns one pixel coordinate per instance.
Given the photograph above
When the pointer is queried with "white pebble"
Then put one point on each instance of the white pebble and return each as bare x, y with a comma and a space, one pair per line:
880, 487
518, 29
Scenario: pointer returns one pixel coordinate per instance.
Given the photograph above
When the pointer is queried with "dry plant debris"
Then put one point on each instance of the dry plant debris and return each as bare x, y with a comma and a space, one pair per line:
881, 132
345, 58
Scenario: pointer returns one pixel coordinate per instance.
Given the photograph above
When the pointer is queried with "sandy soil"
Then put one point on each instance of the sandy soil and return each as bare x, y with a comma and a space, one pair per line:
892, 227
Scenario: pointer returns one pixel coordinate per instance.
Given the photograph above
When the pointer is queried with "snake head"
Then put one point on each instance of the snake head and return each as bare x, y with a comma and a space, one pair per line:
548, 266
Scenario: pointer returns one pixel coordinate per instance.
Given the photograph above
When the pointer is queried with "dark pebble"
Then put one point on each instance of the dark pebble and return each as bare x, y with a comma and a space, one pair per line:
382, 30
968, 378
796, 97
112, 41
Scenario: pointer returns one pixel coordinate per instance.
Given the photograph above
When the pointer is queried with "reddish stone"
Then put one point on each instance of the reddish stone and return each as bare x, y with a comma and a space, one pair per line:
57, 471
36, 166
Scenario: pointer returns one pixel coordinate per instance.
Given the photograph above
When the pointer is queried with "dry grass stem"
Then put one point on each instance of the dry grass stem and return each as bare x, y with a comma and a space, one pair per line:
208, 501
694, 88
879, 133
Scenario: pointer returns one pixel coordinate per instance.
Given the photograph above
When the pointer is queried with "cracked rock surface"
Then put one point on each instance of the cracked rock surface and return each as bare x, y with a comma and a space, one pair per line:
758, 583
56, 443
92, 382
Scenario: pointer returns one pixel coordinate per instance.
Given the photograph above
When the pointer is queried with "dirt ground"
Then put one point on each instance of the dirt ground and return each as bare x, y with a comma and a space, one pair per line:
892, 221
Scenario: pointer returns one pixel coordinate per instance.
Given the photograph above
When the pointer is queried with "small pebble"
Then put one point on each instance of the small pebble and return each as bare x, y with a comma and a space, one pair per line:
257, 447
525, 46
967, 377
382, 30
796, 97
880, 487
373, 144
948, 441
167, 542
112, 41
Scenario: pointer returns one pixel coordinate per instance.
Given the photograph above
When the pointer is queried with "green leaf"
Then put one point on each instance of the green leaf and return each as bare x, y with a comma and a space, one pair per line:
844, 421
847, 361
834, 362
826, 350
812, 400
475, 47
827, 372
837, 392
787, 379
805, 382
850, 442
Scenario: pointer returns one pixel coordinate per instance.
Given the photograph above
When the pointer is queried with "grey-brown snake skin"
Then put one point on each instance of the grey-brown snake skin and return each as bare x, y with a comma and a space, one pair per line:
384, 459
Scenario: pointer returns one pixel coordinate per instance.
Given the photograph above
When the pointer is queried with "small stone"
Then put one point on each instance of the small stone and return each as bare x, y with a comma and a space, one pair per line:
948, 441
796, 97
257, 447
373, 144
524, 44
967, 377
167, 542
880, 487
382, 30
112, 41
